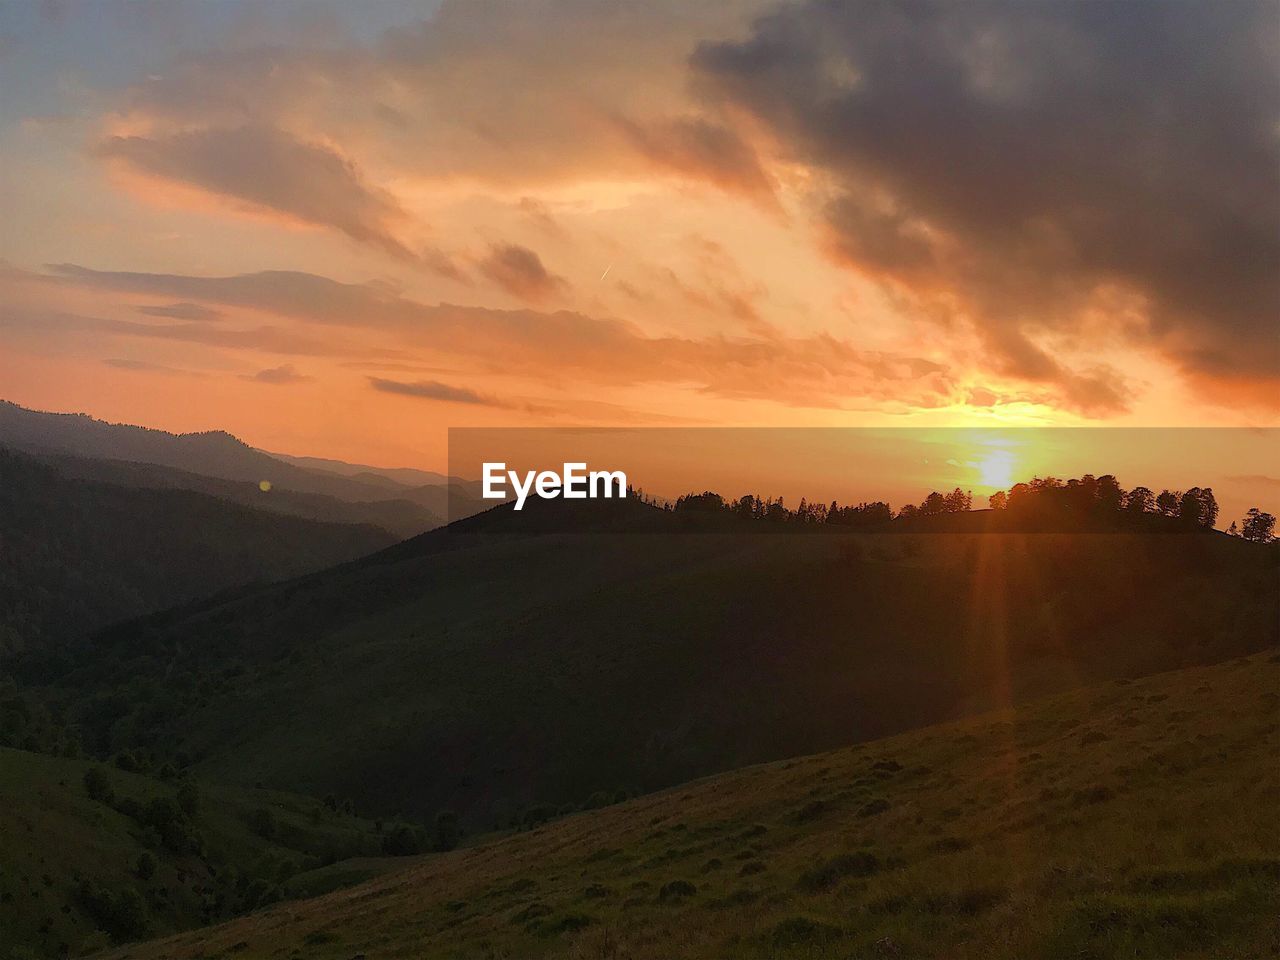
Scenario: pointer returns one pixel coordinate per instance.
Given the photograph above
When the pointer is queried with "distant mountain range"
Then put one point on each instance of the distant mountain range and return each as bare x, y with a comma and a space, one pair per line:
393, 476
78, 554
404, 502
102, 522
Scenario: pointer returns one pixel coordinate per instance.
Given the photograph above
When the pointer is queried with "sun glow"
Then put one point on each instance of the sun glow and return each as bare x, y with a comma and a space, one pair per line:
996, 469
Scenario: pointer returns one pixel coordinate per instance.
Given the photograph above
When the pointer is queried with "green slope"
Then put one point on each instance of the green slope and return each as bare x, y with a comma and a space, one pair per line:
69, 877
1132, 819
488, 673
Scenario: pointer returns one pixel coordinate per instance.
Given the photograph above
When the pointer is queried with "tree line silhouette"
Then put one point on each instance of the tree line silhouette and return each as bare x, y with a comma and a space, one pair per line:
1042, 498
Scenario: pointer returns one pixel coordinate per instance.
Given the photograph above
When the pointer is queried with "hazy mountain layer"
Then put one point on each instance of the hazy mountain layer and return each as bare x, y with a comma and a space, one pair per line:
78, 554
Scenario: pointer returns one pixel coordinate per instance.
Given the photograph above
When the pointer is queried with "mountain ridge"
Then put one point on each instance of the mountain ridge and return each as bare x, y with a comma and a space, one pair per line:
434, 652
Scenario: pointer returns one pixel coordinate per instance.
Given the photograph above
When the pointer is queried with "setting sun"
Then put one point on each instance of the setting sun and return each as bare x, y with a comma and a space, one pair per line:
996, 469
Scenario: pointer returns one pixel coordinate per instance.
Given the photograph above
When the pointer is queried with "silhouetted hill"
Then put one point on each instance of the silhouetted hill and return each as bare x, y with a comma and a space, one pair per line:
487, 669
1121, 820
76, 555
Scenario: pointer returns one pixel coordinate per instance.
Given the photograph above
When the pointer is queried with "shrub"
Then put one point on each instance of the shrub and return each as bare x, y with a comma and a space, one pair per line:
676, 890
874, 807
259, 893
950, 845
826, 875
797, 931
810, 811
263, 822
977, 900
567, 924
145, 868
1092, 795
162, 811
189, 798
531, 912
601, 798
123, 915
401, 841
537, 814
97, 786
447, 830
130, 762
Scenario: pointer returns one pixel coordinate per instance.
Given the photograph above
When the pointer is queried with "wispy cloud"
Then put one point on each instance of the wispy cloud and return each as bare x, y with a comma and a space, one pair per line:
558, 346
278, 376
434, 390
269, 169
180, 311
146, 366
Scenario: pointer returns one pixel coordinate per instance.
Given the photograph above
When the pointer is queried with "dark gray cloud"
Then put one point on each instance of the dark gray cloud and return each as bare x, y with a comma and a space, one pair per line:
1019, 162
278, 376
434, 390
520, 272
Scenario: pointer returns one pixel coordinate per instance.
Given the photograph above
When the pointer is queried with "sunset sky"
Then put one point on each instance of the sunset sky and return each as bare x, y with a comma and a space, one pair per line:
339, 229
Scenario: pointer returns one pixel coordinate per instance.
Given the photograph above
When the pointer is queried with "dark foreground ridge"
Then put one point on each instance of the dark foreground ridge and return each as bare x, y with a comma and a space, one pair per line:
410, 680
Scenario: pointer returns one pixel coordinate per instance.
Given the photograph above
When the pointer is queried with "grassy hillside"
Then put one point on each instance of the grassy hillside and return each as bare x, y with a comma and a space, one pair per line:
76, 555
1131, 819
494, 673
73, 876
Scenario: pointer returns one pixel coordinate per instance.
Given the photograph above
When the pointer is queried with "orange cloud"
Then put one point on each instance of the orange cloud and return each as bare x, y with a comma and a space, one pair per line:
812, 371
269, 169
